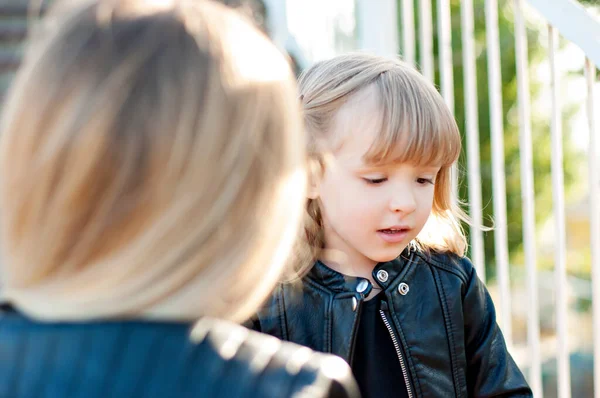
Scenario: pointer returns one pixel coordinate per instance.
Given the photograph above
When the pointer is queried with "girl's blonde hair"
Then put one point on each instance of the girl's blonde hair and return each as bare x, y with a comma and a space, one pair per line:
416, 127
151, 164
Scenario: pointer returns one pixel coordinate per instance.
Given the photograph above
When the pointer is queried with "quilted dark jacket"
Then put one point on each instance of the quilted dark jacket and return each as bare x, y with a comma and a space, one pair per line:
158, 359
439, 314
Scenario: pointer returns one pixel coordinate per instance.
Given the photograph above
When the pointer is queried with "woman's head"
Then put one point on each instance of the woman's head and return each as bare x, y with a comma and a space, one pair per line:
150, 164
379, 136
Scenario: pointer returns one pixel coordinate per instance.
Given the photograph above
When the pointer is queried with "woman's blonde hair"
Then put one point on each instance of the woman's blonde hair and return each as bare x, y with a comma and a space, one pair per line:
151, 164
416, 127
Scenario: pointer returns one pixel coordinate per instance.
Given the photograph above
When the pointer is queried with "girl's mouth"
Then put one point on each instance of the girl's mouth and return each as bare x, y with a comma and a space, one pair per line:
393, 235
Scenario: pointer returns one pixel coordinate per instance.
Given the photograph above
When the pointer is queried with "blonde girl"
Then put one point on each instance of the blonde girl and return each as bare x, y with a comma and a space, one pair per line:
386, 284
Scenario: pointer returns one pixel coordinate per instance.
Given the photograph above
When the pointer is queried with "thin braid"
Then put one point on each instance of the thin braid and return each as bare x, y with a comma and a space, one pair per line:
314, 227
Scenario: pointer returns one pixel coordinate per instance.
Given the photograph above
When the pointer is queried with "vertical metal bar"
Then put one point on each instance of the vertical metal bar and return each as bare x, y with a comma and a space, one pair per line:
377, 26
498, 174
445, 45
472, 130
454, 173
558, 196
408, 31
446, 67
497, 138
426, 39
527, 189
594, 199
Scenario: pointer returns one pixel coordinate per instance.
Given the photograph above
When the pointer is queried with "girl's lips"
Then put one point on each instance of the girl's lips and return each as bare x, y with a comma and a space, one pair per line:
393, 235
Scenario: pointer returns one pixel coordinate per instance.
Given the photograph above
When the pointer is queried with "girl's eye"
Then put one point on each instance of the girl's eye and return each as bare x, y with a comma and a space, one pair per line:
424, 181
375, 181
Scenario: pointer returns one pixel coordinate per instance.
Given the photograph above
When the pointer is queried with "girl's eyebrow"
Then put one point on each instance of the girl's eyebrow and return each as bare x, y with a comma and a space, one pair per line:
366, 167
370, 164
433, 169
376, 167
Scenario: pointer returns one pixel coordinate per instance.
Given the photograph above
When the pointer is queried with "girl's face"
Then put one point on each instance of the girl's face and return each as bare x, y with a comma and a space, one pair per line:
370, 212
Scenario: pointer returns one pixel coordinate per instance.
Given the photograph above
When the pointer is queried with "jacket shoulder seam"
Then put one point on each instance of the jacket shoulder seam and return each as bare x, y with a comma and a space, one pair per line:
460, 273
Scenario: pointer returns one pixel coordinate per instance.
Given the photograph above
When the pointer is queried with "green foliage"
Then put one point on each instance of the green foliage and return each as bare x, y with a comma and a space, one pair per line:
540, 126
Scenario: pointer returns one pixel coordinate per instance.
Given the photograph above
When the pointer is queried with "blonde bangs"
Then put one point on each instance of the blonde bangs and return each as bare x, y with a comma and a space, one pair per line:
416, 126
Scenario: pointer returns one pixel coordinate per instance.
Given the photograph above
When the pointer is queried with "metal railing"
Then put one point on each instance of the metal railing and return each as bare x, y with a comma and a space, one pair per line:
563, 18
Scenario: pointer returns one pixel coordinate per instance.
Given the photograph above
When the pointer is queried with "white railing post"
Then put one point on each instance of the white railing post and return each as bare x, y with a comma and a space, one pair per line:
594, 201
445, 46
473, 157
378, 26
426, 39
499, 176
558, 195
527, 188
446, 66
408, 31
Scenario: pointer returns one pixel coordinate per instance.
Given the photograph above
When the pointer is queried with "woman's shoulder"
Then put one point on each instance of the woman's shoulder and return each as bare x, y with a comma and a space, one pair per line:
211, 358
282, 368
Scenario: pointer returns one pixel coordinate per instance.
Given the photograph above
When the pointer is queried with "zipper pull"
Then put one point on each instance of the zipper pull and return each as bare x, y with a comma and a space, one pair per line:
384, 306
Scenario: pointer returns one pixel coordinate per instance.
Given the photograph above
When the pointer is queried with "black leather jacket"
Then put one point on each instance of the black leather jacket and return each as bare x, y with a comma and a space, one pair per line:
439, 314
137, 358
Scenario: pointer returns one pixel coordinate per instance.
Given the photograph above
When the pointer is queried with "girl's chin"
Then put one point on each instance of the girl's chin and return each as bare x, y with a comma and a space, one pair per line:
384, 258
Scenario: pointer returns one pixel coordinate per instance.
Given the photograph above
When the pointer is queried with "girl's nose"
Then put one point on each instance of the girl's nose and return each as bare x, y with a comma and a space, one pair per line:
403, 202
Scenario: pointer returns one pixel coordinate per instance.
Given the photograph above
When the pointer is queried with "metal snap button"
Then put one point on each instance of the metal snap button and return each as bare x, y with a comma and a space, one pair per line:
362, 286
354, 303
403, 289
382, 275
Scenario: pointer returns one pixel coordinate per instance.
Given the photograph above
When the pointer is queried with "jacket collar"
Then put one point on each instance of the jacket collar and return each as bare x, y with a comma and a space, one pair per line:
384, 274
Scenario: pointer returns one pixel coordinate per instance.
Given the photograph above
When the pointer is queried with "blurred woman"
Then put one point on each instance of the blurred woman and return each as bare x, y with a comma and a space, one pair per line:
151, 174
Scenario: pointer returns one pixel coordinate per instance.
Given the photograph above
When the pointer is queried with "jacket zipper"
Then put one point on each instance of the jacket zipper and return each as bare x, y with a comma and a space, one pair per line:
398, 352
